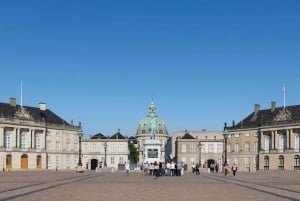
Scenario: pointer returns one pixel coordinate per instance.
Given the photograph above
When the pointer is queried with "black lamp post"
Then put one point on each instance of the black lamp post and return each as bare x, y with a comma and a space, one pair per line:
225, 135
79, 165
105, 147
200, 149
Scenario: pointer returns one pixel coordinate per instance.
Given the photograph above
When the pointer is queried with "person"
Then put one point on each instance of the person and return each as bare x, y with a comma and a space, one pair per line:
153, 128
127, 168
234, 169
226, 167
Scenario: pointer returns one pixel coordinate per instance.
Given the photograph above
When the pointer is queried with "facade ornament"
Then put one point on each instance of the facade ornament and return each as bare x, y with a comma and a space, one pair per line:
283, 115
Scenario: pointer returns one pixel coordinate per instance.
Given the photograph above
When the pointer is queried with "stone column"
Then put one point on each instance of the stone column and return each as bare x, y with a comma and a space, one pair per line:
1, 138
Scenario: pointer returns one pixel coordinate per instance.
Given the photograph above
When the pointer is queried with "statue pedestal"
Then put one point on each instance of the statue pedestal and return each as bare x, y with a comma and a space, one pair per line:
152, 151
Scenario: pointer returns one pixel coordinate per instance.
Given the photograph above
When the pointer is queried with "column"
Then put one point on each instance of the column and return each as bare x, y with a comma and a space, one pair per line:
2, 136
31, 131
287, 133
17, 134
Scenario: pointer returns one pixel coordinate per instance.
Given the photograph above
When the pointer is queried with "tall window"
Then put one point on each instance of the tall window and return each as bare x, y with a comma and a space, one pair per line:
247, 160
281, 162
121, 147
267, 143
121, 160
255, 146
57, 147
247, 146
219, 148
192, 148
297, 162
7, 140
37, 142
183, 148
112, 160
297, 143
94, 147
22, 141
210, 148
228, 148
236, 147
266, 163
282, 143
112, 147
68, 146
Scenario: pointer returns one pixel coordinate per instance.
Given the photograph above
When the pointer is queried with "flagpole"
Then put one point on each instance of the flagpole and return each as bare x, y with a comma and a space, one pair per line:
283, 89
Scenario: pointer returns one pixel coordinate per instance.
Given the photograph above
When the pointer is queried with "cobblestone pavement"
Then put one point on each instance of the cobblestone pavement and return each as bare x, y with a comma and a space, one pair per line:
90, 185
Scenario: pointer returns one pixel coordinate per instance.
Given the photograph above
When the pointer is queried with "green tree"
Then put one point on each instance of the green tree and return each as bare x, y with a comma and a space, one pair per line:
133, 153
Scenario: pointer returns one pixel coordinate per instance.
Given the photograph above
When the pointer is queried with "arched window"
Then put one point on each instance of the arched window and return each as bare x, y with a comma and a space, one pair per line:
267, 144
297, 143
281, 162
297, 162
266, 163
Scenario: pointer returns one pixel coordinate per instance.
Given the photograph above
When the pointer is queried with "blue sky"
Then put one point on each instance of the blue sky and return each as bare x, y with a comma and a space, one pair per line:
102, 62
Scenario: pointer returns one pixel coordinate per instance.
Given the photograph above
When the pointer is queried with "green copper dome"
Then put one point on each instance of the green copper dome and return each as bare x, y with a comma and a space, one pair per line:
144, 127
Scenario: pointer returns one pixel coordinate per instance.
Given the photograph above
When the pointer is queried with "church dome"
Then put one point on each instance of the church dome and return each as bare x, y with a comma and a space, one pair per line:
144, 127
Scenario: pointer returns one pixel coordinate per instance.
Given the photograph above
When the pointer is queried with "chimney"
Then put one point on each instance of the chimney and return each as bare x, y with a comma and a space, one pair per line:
256, 108
273, 106
13, 102
42, 106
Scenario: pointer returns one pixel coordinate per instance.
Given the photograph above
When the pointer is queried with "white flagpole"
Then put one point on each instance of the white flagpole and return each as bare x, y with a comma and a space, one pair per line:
283, 90
21, 94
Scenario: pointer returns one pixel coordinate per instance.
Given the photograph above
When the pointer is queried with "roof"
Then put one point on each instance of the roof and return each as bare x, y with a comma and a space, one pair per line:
117, 135
30, 113
99, 136
269, 117
187, 136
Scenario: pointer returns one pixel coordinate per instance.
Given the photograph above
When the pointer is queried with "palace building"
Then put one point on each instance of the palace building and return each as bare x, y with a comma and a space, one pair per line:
267, 139
36, 138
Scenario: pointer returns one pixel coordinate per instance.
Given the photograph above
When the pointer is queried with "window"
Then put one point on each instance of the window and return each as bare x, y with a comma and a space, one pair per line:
68, 146
121, 160
37, 142
247, 146
68, 160
192, 148
281, 162
236, 147
94, 147
267, 144
297, 143
183, 148
255, 146
121, 148
247, 160
7, 140
219, 148
57, 148
282, 143
297, 162
112, 160
266, 163
57, 159
22, 141
112, 147
228, 148
210, 148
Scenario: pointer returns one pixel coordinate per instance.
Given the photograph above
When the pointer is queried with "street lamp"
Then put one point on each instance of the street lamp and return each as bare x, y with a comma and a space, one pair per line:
225, 135
105, 147
200, 149
79, 165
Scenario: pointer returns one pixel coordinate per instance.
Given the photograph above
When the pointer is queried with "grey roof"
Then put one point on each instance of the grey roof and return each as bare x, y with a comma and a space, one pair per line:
268, 117
117, 135
187, 136
99, 136
35, 114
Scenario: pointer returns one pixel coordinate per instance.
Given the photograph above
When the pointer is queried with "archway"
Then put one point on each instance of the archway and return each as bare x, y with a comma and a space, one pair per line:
24, 161
39, 162
211, 164
94, 164
8, 162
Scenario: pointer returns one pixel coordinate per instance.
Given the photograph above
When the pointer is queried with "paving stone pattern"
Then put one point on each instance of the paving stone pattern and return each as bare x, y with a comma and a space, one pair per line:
90, 186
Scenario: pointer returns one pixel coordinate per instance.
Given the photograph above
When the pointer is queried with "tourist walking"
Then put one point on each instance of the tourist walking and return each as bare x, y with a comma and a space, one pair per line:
127, 168
234, 169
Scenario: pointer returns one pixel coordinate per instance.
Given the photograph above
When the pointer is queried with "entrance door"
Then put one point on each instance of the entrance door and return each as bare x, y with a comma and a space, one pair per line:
9, 162
39, 162
24, 161
94, 164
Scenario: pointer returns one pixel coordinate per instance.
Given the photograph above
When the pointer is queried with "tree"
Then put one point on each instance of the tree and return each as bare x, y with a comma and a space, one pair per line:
133, 153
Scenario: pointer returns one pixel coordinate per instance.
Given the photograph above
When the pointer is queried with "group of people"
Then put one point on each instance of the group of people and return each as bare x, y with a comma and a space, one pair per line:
163, 169
227, 168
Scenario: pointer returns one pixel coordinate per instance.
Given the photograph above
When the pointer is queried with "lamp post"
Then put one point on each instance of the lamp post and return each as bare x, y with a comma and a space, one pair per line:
79, 165
105, 147
225, 135
200, 149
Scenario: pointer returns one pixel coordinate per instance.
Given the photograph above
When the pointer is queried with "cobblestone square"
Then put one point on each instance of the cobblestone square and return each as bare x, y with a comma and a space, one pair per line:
68, 185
